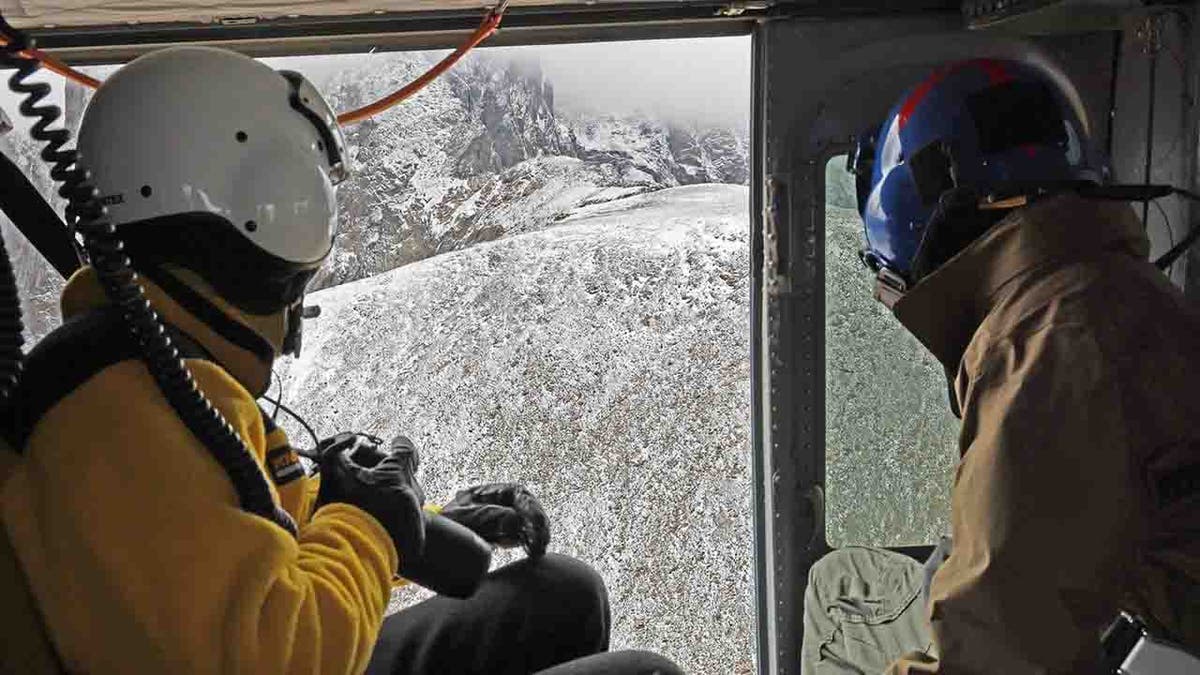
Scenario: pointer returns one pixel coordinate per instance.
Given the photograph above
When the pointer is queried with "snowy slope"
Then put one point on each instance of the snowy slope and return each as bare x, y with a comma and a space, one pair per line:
891, 441
605, 362
38, 283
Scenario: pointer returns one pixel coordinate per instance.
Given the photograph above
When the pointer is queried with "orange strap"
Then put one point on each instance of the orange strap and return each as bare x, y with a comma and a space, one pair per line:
491, 22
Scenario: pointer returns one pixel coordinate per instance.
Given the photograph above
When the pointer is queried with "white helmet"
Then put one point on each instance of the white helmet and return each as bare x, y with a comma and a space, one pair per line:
210, 159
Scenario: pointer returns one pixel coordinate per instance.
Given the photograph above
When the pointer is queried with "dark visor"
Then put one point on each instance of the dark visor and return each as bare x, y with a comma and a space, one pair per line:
1016, 114
207, 244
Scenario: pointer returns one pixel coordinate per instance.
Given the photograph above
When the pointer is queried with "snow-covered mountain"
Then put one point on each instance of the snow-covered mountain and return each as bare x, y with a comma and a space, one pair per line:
666, 154
483, 153
38, 283
479, 154
605, 362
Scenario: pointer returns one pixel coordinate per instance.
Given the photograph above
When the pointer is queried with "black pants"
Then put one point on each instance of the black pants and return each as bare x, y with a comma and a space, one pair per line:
527, 617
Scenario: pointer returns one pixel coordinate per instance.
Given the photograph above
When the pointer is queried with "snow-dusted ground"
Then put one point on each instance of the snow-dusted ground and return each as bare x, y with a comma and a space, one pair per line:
604, 362
890, 438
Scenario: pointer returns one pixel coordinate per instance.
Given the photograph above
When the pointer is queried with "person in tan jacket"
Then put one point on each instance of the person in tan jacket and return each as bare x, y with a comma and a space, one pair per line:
1073, 363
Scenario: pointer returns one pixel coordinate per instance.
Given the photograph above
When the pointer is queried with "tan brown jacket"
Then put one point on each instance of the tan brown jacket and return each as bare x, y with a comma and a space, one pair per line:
1077, 365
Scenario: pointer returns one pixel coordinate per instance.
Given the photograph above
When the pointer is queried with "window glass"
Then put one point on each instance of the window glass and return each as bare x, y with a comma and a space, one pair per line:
541, 274
890, 438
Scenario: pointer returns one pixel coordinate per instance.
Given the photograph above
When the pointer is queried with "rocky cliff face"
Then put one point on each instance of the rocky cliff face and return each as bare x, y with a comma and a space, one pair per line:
482, 153
584, 329
667, 154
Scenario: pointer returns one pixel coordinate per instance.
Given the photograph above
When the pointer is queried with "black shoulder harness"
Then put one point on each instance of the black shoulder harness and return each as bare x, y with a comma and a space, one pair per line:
71, 355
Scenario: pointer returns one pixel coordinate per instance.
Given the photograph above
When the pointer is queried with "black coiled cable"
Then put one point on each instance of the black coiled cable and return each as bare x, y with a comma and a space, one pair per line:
88, 217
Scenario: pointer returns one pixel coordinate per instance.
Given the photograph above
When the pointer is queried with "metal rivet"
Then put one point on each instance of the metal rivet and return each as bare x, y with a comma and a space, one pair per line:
251, 226
241, 137
146, 191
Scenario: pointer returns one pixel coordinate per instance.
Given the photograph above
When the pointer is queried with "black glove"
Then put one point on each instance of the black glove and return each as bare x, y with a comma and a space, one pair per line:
355, 471
366, 450
504, 514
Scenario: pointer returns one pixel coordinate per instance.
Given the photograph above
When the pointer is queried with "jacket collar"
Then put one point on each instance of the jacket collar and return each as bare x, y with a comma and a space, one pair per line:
944, 310
231, 338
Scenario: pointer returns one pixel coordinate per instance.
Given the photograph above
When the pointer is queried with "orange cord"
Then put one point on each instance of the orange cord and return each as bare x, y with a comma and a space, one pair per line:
54, 65
490, 24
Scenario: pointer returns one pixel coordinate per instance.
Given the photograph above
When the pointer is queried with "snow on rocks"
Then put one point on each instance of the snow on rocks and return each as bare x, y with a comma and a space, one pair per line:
605, 363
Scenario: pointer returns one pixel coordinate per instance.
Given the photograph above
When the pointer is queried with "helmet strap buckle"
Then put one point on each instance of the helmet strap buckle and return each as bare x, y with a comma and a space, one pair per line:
889, 287
992, 203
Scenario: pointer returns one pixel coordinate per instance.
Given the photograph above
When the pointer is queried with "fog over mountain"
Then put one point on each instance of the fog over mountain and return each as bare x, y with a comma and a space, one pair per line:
684, 81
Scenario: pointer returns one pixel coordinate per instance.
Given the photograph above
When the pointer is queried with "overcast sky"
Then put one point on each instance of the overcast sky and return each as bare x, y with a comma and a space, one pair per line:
705, 80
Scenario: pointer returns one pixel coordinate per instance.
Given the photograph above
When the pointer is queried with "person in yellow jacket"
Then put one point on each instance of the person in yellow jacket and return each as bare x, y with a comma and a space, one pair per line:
1072, 362
121, 531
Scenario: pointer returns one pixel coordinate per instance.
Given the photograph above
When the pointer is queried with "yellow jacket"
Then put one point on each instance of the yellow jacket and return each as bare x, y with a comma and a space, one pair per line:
131, 539
1076, 365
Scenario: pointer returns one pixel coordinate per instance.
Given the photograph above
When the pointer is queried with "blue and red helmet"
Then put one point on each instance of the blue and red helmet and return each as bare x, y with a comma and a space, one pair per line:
999, 127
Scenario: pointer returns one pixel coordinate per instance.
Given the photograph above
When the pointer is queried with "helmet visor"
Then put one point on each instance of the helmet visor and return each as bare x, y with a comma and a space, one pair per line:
242, 273
1015, 114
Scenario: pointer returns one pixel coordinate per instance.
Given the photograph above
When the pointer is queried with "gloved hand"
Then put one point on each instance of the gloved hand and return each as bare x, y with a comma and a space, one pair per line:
365, 448
367, 451
503, 514
355, 471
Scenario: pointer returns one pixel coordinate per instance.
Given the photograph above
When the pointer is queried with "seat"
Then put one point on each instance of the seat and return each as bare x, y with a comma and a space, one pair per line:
26, 646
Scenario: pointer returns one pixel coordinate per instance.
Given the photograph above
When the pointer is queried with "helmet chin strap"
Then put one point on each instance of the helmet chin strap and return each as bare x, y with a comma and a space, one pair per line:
890, 285
293, 338
959, 218
296, 314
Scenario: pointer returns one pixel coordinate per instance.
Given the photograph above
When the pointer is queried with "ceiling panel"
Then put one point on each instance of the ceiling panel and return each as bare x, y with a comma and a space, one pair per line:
56, 13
